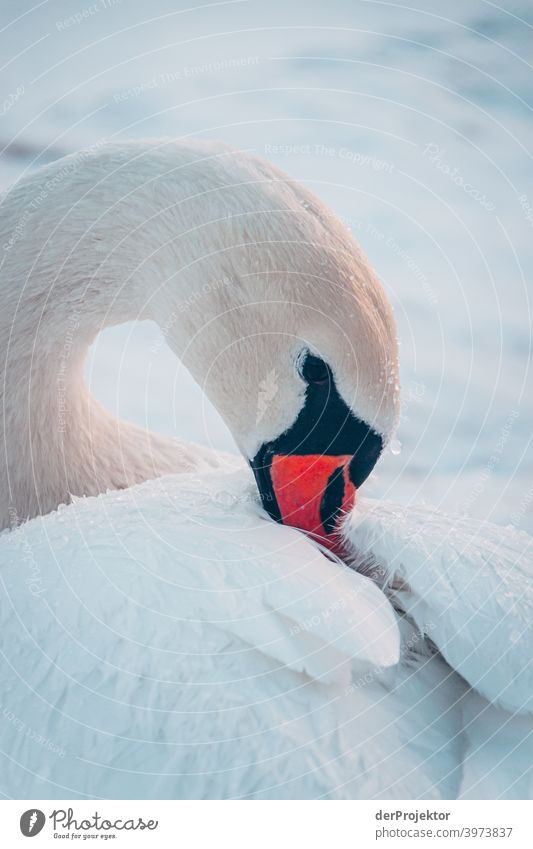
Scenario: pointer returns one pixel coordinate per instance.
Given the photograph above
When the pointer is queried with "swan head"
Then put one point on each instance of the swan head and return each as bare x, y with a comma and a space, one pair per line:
308, 475
290, 334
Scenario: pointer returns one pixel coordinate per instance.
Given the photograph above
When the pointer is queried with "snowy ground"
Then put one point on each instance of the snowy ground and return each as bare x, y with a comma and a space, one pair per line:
414, 125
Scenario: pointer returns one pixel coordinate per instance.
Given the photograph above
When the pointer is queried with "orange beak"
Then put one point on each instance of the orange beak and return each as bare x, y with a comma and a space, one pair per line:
313, 492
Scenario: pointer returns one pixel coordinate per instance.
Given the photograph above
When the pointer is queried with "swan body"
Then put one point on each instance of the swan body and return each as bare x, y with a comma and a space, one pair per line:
168, 641
160, 636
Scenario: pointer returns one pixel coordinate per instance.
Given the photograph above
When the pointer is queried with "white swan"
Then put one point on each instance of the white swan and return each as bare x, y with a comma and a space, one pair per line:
165, 639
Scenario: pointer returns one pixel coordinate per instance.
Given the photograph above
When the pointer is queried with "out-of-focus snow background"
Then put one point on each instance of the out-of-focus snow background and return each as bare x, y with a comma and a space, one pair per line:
414, 124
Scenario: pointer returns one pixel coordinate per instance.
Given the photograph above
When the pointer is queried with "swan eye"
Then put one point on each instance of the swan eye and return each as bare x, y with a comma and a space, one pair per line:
314, 370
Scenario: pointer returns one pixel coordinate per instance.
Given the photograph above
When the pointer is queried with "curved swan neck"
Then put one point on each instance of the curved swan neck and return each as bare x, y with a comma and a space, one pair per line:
57, 294
57, 440
240, 267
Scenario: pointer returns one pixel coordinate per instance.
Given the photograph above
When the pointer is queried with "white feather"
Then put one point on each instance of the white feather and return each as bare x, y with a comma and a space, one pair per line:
467, 584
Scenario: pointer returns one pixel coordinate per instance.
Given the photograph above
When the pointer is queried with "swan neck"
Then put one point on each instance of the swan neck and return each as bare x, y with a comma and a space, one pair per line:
57, 440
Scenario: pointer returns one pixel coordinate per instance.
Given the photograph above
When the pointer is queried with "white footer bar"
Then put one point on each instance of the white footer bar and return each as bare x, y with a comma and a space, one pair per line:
267, 825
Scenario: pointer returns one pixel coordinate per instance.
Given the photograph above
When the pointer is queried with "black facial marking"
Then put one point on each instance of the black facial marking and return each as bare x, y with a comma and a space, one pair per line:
325, 425
315, 370
261, 468
332, 500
